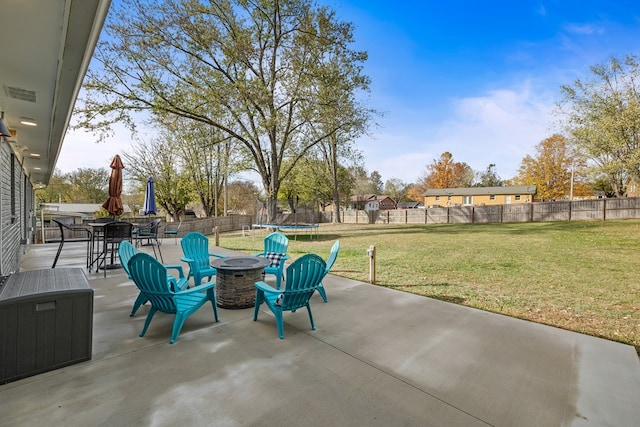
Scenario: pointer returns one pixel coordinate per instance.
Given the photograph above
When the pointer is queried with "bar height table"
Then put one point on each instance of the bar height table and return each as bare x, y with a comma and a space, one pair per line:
235, 280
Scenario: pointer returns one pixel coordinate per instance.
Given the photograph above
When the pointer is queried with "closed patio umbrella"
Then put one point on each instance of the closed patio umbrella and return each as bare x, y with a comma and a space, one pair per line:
150, 199
114, 203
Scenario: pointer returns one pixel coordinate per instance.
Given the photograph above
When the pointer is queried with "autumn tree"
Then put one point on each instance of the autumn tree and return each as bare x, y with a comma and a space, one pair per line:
446, 173
553, 169
415, 192
252, 70
602, 116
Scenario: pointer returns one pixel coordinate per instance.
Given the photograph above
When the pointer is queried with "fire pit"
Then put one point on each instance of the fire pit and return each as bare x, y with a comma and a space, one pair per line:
235, 278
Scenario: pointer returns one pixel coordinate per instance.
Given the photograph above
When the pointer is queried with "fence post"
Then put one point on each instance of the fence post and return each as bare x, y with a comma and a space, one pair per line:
371, 253
216, 231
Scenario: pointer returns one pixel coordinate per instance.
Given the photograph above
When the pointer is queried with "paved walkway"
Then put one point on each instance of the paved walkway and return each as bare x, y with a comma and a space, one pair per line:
378, 358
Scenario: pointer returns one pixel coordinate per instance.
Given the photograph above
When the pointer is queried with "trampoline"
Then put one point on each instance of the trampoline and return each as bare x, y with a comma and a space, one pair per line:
312, 229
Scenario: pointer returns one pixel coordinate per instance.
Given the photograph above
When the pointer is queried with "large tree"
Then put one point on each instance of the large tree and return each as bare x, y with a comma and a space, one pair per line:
555, 169
59, 190
252, 69
489, 177
89, 185
159, 158
447, 173
397, 189
602, 115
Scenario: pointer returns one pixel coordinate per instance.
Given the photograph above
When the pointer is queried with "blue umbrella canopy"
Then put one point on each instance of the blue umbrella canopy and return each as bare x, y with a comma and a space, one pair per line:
150, 199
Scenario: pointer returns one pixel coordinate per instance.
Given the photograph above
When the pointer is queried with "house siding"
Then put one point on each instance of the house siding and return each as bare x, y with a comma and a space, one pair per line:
499, 199
14, 228
479, 196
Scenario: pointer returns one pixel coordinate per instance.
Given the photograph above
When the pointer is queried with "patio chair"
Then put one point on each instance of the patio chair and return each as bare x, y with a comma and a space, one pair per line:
151, 277
195, 247
333, 254
71, 234
275, 249
172, 232
149, 232
302, 279
125, 252
114, 233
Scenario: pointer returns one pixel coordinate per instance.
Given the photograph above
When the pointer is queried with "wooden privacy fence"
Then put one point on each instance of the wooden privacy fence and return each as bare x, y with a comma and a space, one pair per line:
580, 210
592, 210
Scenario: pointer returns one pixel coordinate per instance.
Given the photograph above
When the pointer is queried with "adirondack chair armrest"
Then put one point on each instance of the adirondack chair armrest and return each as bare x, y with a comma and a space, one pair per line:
219, 255
175, 267
173, 283
178, 284
198, 288
187, 260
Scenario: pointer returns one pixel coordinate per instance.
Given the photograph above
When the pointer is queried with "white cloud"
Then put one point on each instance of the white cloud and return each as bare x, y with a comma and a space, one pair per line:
583, 29
499, 127
80, 149
542, 11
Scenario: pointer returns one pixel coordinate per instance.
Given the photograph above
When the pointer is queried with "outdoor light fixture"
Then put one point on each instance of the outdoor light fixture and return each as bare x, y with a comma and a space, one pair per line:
3, 127
27, 121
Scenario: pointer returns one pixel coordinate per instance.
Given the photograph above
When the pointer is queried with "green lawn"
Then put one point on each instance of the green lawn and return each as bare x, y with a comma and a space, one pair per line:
579, 276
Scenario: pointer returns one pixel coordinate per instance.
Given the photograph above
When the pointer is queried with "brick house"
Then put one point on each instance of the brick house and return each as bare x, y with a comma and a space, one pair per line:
372, 202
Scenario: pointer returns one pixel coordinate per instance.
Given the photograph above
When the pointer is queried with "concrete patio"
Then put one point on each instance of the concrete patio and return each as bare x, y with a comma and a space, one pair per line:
378, 358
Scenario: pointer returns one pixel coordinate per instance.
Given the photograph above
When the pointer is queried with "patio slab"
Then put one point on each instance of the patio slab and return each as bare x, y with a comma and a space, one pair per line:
379, 357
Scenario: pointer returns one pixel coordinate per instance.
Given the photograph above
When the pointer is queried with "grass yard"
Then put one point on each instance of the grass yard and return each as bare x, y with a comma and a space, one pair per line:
579, 276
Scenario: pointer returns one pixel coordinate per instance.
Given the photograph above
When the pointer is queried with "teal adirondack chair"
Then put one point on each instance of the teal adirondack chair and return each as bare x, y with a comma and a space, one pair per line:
153, 281
302, 279
330, 261
125, 251
275, 249
195, 247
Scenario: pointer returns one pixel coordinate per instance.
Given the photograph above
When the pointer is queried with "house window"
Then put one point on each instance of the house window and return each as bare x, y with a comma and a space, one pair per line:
437, 198
517, 197
492, 197
467, 200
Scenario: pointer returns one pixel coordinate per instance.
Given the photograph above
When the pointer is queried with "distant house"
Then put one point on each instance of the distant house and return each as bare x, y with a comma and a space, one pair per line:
479, 196
79, 211
410, 205
372, 202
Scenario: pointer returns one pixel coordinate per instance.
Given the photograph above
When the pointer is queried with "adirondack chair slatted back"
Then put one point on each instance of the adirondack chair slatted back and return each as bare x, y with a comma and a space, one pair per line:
303, 276
276, 243
125, 251
333, 255
196, 246
151, 278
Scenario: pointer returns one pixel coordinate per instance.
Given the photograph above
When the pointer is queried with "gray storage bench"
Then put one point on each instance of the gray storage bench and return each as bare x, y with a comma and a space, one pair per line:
46, 321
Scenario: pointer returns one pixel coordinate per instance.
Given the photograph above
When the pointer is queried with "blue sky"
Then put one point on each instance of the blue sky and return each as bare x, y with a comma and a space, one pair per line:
479, 79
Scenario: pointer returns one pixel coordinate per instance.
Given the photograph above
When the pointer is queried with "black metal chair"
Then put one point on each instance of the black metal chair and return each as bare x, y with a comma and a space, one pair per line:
114, 233
149, 232
71, 234
169, 231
